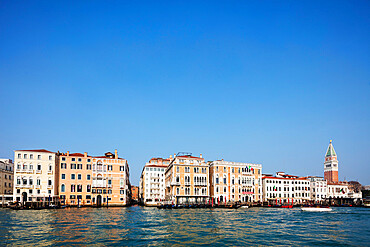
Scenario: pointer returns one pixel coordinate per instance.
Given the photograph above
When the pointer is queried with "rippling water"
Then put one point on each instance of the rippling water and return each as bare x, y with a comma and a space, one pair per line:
152, 226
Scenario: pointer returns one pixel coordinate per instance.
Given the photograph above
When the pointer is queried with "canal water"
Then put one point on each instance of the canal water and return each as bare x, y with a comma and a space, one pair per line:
134, 226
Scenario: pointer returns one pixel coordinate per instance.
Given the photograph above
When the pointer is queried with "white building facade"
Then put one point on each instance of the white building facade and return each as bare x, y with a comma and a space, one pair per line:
318, 189
36, 176
285, 189
152, 182
337, 190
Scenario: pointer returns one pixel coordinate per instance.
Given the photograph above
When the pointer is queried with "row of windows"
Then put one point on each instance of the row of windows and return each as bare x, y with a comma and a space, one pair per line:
196, 169
29, 181
154, 169
98, 167
285, 188
8, 184
6, 176
74, 159
286, 182
30, 167
25, 156
243, 180
79, 176
243, 169
197, 191
275, 195
31, 191
240, 190
196, 179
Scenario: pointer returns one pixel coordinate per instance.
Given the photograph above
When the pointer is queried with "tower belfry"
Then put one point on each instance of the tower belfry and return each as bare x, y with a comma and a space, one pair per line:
331, 164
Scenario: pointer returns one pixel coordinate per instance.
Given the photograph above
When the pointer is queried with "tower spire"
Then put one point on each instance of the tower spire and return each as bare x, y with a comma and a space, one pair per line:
331, 164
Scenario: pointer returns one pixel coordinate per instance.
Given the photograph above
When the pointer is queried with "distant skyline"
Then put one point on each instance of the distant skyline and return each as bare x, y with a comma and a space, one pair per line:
260, 82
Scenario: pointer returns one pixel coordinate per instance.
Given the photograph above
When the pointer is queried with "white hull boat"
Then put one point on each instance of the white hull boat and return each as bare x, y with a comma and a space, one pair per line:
244, 207
316, 209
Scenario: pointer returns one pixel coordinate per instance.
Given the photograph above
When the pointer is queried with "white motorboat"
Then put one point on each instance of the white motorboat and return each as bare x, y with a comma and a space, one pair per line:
245, 206
316, 209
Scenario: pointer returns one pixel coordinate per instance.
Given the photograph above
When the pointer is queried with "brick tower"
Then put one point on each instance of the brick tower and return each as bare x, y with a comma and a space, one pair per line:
331, 165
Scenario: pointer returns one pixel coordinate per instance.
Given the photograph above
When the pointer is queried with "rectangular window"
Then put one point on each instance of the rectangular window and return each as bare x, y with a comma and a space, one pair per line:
50, 157
79, 166
109, 167
79, 159
79, 188
88, 167
73, 188
79, 176
31, 156
73, 159
19, 156
88, 177
39, 157
63, 176
122, 168
88, 188
88, 197
25, 156
73, 176
88, 160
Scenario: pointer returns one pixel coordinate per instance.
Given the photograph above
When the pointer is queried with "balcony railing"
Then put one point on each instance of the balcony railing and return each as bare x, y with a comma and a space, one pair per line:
50, 172
38, 171
175, 183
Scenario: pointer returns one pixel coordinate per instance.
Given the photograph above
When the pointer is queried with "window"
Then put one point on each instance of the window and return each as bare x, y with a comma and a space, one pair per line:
63, 158
122, 192
39, 157
79, 166
79, 176
38, 181
38, 191
187, 169
225, 169
73, 166
224, 179
49, 182
88, 188
178, 169
63, 188
88, 167
63, 166
25, 156
73, 176
88, 160
88, 177
73, 159
72, 197
177, 191
50, 168
31, 156
79, 159
79, 188
73, 188
88, 197
217, 180
19, 156
50, 157
110, 168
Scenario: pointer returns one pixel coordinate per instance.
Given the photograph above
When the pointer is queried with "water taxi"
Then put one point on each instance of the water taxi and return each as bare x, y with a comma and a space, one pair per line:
316, 209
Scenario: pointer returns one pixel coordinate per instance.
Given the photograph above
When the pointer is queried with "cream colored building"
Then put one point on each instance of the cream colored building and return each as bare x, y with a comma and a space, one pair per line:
36, 175
6, 180
152, 181
186, 180
110, 181
235, 182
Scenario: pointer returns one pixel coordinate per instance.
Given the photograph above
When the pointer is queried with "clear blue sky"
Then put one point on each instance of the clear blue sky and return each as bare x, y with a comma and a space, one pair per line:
266, 81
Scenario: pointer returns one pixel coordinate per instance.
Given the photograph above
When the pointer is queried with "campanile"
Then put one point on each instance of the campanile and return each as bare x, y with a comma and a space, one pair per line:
331, 165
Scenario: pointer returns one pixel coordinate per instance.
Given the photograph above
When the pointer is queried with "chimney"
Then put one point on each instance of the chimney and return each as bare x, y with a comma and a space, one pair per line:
170, 156
174, 155
67, 153
115, 154
85, 154
200, 156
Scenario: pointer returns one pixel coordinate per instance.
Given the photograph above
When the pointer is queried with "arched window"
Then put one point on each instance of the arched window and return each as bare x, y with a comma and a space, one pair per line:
63, 188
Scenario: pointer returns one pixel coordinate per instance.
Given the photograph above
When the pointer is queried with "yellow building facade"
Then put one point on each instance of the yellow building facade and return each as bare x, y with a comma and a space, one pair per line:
186, 180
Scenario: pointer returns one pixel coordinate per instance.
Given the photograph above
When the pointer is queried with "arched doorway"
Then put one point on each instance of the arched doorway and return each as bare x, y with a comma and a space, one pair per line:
221, 199
98, 201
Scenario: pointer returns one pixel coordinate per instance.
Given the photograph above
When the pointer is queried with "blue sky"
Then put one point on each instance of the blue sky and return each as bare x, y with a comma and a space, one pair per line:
266, 82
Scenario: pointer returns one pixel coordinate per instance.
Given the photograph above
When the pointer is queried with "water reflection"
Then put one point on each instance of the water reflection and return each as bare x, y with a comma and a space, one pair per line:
151, 226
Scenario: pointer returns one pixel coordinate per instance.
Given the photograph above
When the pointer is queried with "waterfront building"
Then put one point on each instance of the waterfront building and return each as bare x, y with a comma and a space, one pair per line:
235, 182
134, 193
284, 188
36, 176
6, 180
110, 180
337, 190
152, 181
331, 165
75, 181
318, 189
186, 179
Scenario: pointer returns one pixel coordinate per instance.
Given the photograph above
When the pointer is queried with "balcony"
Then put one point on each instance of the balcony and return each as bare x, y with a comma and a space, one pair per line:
38, 171
175, 183
50, 186
187, 183
37, 186
50, 172
200, 184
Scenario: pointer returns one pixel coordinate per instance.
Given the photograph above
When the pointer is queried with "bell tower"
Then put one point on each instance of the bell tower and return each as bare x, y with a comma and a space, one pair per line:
331, 165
